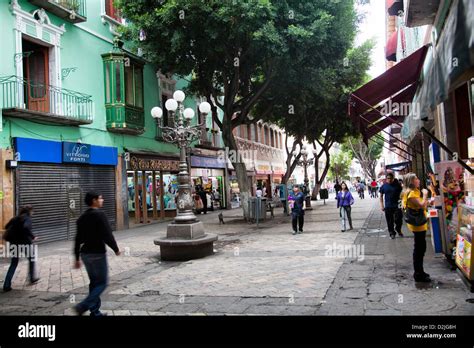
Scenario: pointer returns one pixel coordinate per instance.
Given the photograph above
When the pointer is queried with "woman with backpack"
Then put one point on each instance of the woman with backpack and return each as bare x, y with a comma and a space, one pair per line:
414, 204
19, 234
344, 203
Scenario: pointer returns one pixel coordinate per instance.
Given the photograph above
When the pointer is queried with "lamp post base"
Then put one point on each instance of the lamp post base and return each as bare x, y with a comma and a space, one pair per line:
185, 242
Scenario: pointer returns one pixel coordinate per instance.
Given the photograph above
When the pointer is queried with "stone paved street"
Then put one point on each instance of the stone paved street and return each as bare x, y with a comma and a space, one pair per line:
255, 271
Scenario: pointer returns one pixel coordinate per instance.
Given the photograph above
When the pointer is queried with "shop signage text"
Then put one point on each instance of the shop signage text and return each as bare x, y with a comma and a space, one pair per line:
76, 153
137, 163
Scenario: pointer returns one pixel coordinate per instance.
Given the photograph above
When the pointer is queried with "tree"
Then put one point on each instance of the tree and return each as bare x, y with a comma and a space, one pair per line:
237, 49
340, 164
366, 155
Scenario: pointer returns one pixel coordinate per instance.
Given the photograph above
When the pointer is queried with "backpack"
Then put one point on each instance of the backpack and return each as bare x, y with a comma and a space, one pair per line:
12, 229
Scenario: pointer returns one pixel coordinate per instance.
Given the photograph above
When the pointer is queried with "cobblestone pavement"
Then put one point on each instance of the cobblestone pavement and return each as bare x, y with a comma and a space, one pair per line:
254, 271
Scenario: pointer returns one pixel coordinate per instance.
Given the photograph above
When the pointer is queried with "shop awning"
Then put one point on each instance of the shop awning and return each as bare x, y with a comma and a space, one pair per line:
391, 48
394, 7
452, 65
454, 60
397, 166
377, 104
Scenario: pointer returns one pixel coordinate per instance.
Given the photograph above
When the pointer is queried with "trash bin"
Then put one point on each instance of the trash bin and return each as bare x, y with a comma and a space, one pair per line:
261, 204
323, 194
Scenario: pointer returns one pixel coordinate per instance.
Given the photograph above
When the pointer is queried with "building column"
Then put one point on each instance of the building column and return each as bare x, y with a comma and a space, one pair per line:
7, 190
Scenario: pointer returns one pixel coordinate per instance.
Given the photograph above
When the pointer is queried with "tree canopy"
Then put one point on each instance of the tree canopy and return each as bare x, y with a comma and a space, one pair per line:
239, 50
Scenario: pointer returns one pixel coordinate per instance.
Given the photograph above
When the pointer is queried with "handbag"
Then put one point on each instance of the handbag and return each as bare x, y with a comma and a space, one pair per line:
415, 217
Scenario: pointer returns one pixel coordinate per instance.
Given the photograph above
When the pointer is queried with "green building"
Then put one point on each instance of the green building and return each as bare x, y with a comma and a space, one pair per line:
75, 116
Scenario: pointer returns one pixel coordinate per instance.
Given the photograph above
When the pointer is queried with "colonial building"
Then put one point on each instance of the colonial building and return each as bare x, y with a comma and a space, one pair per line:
75, 116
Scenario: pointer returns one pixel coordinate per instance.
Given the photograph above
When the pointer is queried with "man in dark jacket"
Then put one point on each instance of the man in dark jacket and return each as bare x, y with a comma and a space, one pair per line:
93, 233
297, 210
391, 191
202, 194
20, 238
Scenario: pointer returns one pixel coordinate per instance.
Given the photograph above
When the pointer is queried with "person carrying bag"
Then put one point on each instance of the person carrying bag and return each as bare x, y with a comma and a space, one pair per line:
19, 234
414, 207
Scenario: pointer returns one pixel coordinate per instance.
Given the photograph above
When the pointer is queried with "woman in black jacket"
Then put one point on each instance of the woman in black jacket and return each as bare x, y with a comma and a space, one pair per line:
20, 237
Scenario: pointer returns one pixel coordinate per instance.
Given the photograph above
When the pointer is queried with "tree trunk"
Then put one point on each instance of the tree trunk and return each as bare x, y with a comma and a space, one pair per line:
239, 166
316, 187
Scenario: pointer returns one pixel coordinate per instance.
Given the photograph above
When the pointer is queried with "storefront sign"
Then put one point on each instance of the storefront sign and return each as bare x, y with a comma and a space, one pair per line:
264, 169
206, 162
76, 153
139, 163
278, 171
46, 151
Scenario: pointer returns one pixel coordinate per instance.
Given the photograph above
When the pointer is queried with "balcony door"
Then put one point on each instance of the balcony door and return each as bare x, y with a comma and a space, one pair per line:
36, 75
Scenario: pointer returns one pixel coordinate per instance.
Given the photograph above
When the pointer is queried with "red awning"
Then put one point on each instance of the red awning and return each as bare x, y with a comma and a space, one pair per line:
394, 7
397, 85
391, 48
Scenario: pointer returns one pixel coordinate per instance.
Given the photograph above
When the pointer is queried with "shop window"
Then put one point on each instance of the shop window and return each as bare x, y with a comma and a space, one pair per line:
170, 190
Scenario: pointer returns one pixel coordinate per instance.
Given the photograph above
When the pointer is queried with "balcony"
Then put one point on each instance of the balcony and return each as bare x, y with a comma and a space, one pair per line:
125, 119
211, 139
420, 12
73, 11
31, 101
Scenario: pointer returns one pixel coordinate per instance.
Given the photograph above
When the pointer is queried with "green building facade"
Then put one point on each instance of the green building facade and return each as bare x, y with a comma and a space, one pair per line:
75, 116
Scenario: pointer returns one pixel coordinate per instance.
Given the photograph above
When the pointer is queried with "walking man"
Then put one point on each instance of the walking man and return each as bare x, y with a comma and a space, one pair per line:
337, 188
93, 233
297, 210
19, 237
391, 190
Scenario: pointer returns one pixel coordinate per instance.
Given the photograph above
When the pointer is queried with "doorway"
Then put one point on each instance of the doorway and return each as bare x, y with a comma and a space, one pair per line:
36, 75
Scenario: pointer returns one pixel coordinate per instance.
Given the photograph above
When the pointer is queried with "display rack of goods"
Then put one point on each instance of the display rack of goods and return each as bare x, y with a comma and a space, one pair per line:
464, 241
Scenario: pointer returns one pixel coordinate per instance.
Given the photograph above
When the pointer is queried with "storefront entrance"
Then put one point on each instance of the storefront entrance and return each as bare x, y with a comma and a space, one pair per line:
152, 186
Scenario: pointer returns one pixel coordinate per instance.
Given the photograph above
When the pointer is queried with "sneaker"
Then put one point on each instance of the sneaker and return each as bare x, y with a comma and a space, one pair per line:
343, 230
400, 234
392, 236
300, 232
98, 314
293, 233
7, 289
79, 311
34, 281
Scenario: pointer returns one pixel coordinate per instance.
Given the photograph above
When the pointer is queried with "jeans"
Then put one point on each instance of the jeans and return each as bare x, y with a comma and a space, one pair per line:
394, 216
295, 220
97, 270
419, 252
343, 212
11, 271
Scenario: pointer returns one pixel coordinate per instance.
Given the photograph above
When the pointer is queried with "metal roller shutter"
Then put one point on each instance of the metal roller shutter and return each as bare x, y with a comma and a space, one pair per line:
57, 191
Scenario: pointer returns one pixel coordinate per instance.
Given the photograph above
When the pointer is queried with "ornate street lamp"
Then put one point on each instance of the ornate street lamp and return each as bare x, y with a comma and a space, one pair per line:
185, 236
305, 162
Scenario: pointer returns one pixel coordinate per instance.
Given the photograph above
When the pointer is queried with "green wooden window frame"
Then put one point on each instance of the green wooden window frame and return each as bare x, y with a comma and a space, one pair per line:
134, 85
123, 80
114, 83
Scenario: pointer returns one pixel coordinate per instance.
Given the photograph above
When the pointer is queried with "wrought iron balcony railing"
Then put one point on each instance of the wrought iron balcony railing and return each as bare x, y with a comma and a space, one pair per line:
25, 99
70, 10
